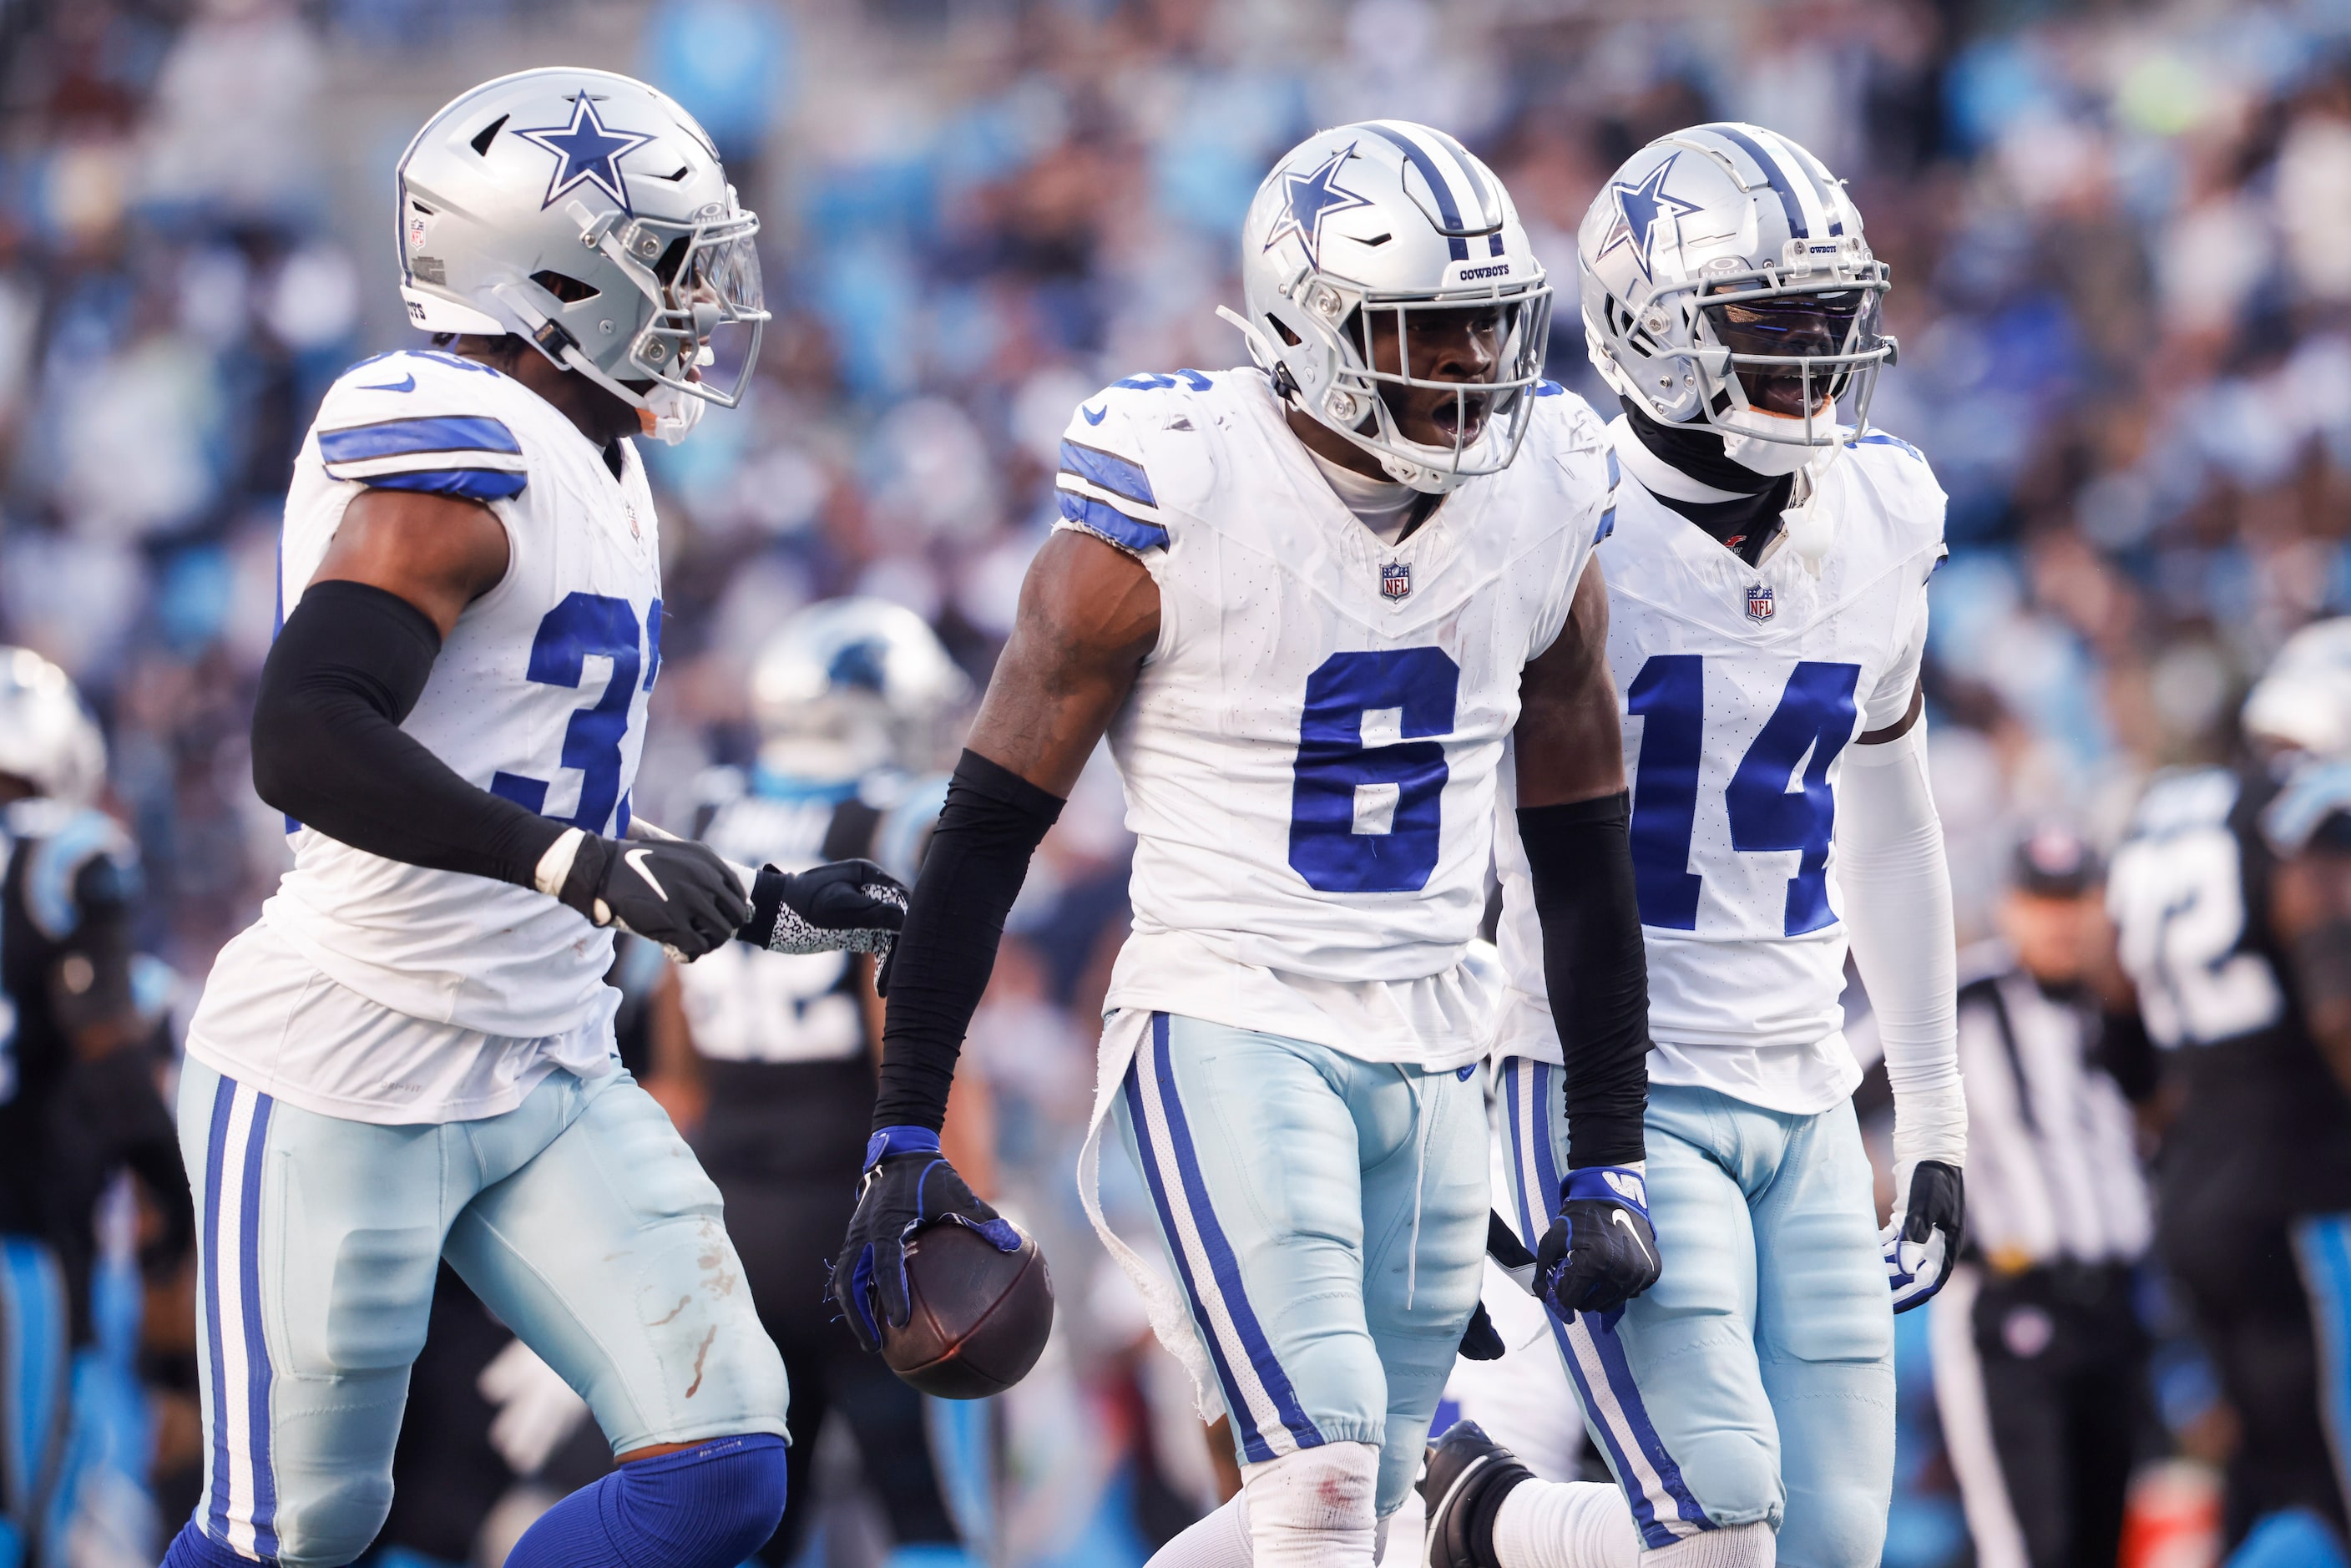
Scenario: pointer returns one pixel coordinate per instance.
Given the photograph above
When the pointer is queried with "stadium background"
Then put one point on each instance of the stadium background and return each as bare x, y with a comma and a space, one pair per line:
2121, 242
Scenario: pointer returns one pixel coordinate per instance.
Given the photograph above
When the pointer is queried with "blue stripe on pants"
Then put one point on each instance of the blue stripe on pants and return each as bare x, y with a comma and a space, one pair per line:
1255, 1349
215, 1153
241, 1373
257, 1348
1529, 1089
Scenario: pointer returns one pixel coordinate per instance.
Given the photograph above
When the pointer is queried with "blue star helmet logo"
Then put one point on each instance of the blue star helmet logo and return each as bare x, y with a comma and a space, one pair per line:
586, 150
1640, 209
1312, 198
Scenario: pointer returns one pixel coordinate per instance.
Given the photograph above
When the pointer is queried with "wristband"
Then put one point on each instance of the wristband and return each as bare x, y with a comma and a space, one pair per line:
890, 1140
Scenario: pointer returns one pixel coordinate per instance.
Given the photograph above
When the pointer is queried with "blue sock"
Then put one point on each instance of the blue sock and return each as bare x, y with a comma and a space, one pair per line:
710, 1506
192, 1548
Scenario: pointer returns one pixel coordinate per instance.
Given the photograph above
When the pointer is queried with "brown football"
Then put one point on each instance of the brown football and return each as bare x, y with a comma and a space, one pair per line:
979, 1317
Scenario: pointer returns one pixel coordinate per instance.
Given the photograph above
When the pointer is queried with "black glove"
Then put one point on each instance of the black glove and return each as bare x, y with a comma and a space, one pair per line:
845, 906
671, 891
1923, 1239
1481, 1341
1600, 1252
908, 1186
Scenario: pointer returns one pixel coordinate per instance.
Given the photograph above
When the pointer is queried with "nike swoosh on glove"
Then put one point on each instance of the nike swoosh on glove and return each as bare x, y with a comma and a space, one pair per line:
675, 892
908, 1186
1922, 1240
845, 906
1601, 1252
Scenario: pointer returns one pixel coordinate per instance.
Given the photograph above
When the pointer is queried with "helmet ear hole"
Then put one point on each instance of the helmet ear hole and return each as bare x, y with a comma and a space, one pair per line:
570, 290
1290, 338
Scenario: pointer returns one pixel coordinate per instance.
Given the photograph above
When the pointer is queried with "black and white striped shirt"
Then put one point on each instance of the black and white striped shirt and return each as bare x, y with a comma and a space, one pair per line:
2054, 1172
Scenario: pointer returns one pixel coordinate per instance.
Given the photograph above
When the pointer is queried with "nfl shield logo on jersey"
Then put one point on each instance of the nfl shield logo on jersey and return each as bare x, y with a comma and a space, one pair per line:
1395, 579
1759, 602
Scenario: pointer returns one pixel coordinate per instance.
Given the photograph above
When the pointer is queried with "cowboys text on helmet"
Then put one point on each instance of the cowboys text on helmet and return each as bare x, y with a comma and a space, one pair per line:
589, 214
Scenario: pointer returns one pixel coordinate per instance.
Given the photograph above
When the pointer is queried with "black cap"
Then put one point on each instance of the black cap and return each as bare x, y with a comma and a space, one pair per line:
2055, 862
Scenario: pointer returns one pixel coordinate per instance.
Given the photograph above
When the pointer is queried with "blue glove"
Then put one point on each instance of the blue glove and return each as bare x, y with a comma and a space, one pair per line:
1600, 1252
908, 1186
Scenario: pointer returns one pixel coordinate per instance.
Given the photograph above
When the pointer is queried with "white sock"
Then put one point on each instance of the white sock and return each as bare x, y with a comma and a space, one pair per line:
1742, 1546
1314, 1508
1219, 1540
1565, 1524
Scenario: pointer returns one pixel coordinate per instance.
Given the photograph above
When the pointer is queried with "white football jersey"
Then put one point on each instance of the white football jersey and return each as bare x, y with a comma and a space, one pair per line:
538, 693
1742, 687
1310, 752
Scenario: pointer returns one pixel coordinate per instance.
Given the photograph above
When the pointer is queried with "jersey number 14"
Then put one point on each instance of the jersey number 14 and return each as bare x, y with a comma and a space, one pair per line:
1810, 725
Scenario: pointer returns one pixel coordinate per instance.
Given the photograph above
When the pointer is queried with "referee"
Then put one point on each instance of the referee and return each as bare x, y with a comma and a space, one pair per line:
2039, 1357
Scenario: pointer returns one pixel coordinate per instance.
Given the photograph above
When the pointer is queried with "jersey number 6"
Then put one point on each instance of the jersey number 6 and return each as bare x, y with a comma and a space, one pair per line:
1367, 781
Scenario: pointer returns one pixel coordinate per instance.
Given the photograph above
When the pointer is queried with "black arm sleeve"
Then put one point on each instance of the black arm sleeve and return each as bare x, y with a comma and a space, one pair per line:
1581, 856
978, 856
328, 751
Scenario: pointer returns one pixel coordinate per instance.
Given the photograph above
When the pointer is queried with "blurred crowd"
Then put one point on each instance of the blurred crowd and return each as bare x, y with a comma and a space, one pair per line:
2121, 245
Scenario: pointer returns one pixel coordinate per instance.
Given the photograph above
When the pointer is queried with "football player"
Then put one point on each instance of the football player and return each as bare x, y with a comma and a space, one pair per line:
775, 1052
2230, 898
1767, 617
409, 1055
77, 1096
1309, 601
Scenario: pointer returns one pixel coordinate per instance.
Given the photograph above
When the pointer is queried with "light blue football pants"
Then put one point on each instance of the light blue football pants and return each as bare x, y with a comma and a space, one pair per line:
1755, 1380
1327, 1219
579, 1217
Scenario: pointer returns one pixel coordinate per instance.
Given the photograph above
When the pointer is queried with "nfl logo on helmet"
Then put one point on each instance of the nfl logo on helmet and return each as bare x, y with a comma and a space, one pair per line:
1759, 602
1395, 579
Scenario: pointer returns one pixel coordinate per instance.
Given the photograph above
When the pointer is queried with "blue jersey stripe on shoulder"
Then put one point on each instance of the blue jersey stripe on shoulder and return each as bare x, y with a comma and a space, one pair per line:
470, 484
1117, 475
1879, 438
432, 432
1110, 523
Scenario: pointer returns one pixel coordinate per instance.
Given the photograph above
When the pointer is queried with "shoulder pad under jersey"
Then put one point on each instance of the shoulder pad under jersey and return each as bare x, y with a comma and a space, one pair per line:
421, 420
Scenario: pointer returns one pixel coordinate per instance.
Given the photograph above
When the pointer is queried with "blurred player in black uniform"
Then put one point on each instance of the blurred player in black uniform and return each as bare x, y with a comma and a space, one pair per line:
2232, 903
77, 1096
767, 1059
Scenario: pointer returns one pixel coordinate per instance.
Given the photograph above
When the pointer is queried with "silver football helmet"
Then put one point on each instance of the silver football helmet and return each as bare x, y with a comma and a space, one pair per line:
2302, 701
1726, 283
46, 737
852, 685
589, 214
1358, 230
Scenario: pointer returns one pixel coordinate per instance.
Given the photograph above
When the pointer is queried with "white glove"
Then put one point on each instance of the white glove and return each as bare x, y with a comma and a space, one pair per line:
537, 1409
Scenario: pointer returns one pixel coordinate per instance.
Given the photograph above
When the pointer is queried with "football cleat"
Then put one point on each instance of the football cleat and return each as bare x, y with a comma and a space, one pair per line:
1462, 1482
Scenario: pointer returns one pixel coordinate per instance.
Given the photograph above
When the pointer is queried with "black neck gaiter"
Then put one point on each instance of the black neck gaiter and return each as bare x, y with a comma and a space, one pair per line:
1744, 526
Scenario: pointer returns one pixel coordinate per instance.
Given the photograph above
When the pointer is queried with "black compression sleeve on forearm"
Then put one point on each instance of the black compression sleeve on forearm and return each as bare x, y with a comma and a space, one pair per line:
978, 857
1581, 856
328, 751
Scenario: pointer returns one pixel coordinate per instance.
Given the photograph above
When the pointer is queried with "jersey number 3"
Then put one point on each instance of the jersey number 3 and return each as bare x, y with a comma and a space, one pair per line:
586, 626
1814, 720
1369, 776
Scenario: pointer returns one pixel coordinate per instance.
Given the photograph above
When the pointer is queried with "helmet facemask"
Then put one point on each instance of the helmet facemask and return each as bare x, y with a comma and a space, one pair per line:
1488, 419
709, 308
1776, 357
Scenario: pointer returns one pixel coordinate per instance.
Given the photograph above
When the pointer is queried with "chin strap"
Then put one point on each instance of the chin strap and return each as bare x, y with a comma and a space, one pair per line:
1810, 529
